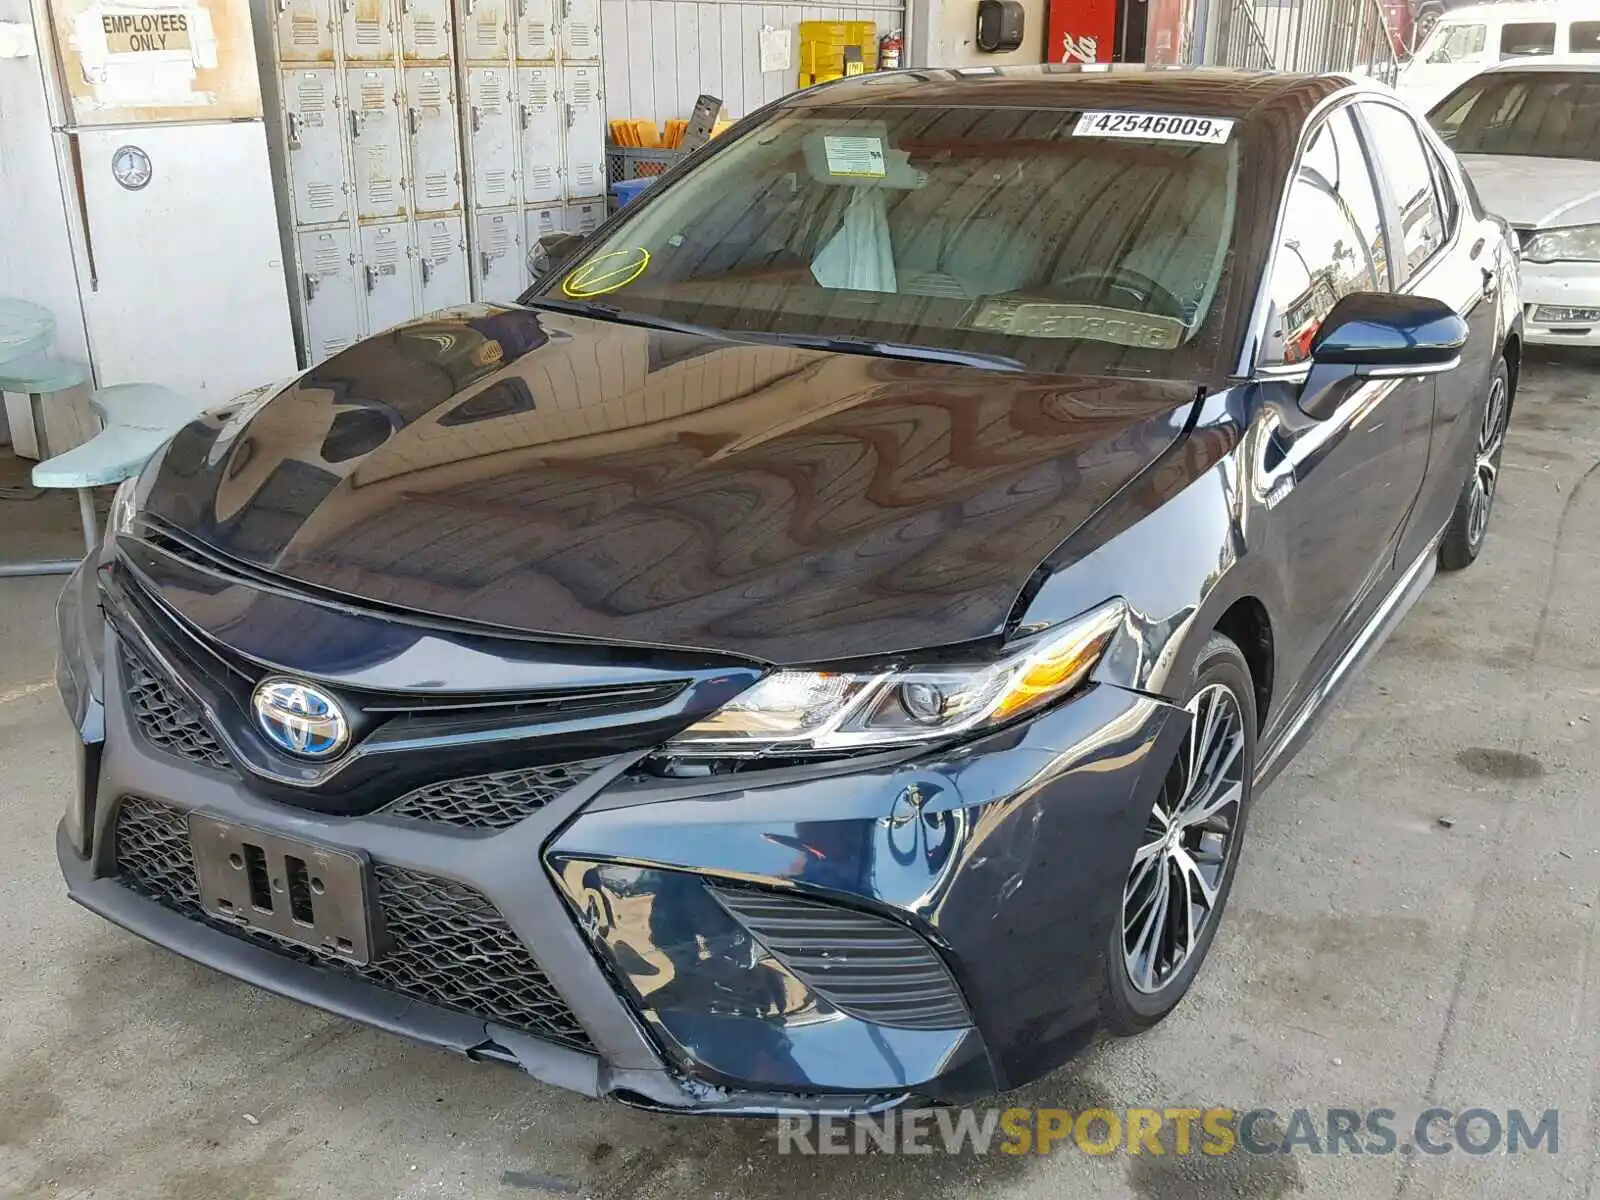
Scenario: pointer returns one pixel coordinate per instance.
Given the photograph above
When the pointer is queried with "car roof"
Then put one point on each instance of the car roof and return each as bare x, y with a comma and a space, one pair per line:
1547, 62
1550, 10
1213, 91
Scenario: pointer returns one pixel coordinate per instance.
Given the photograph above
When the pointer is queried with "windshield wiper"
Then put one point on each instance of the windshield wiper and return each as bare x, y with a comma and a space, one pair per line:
623, 316
880, 349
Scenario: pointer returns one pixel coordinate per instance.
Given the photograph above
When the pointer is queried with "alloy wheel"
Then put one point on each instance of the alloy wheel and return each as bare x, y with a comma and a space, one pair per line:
1486, 467
1178, 870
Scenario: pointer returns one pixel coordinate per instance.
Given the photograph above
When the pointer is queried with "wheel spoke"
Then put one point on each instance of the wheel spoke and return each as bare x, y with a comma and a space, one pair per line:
1221, 796
1192, 874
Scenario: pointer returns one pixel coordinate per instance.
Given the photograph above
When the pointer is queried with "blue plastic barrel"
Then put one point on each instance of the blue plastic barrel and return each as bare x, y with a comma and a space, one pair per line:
626, 189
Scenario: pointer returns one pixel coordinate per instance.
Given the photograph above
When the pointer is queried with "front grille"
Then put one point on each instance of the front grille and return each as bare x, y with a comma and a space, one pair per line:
167, 719
492, 801
866, 966
443, 943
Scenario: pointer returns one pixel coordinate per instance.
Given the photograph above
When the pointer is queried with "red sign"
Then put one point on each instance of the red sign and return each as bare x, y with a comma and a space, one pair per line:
1081, 31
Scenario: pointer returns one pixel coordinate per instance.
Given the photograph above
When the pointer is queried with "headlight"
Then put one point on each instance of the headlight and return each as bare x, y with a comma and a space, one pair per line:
802, 711
1581, 243
123, 508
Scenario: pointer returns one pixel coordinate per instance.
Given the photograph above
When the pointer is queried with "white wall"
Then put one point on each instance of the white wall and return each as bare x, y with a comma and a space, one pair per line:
952, 37
661, 54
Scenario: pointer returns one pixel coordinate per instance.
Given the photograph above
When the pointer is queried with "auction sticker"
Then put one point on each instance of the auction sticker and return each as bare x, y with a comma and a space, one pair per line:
855, 157
1166, 127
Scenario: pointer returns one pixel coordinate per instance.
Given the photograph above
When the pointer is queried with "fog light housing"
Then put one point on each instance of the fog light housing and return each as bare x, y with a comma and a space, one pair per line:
1551, 314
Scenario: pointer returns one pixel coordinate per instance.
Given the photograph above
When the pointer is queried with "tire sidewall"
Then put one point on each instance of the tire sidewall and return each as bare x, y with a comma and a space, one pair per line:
1130, 1010
1456, 549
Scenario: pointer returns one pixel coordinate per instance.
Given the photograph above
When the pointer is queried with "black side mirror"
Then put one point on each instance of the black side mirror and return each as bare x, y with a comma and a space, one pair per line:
549, 250
1379, 335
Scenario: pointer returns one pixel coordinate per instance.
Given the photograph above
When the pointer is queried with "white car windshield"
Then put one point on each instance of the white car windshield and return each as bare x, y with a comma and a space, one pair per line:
1536, 114
988, 230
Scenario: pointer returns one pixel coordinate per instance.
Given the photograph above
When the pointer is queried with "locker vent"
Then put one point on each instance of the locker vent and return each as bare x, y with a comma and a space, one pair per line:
369, 34
497, 239
486, 33
490, 98
430, 92
321, 195
494, 182
543, 179
380, 180
584, 174
538, 89
546, 222
429, 35
373, 92
537, 39
385, 251
304, 31
581, 39
313, 93
582, 83
332, 346
440, 242
436, 186
328, 261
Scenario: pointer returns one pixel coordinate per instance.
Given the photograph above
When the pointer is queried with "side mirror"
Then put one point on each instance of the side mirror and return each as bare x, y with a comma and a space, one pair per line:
1379, 335
549, 250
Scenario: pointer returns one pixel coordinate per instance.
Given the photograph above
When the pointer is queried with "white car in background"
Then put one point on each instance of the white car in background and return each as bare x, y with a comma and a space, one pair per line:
1466, 40
1528, 134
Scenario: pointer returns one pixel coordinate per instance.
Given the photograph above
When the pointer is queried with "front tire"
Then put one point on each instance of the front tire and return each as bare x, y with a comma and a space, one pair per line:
1182, 871
1463, 537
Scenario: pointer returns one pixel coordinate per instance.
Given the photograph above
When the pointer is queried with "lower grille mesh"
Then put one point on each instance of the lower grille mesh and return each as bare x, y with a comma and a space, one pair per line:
444, 943
167, 720
492, 801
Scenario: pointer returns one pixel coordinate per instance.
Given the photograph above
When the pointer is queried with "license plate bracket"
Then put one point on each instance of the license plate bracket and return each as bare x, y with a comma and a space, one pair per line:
304, 892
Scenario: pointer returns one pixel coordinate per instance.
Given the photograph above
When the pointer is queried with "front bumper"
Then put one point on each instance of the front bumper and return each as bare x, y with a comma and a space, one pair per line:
1564, 285
1001, 860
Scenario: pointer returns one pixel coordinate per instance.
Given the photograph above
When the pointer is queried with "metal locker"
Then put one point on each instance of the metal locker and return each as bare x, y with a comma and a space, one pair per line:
368, 29
540, 222
435, 150
580, 29
386, 274
485, 30
585, 131
425, 30
492, 129
442, 255
375, 141
328, 287
585, 217
305, 31
536, 29
539, 116
498, 257
315, 144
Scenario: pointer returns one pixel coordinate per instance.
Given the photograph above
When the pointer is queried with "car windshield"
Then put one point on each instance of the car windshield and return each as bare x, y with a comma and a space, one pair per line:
1455, 43
985, 231
1535, 114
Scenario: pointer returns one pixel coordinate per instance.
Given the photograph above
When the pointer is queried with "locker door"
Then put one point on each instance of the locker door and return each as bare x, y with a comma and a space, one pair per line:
425, 30
368, 30
538, 222
386, 274
541, 134
585, 217
316, 156
580, 29
375, 140
585, 132
485, 32
305, 31
493, 131
536, 29
431, 127
499, 256
442, 252
328, 287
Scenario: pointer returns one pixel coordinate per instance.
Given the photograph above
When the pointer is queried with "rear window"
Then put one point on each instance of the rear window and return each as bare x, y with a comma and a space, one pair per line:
1536, 114
1006, 231
1527, 38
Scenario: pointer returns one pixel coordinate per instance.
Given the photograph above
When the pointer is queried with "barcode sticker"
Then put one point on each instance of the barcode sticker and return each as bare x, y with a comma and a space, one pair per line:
1166, 127
856, 157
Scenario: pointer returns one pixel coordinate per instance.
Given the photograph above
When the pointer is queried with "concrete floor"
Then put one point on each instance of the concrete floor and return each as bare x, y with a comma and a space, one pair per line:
1372, 955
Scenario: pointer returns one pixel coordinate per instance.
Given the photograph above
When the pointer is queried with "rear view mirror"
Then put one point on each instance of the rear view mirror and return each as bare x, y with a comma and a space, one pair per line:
1374, 335
549, 250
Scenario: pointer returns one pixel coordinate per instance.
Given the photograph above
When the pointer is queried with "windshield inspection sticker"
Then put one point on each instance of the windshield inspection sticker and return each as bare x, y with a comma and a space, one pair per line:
856, 157
1165, 127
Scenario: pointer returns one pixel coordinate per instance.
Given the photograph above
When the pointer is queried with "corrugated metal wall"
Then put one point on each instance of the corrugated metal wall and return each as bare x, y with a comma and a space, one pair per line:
661, 54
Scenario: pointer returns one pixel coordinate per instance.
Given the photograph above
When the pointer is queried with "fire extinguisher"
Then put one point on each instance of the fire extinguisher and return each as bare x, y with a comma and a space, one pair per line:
889, 47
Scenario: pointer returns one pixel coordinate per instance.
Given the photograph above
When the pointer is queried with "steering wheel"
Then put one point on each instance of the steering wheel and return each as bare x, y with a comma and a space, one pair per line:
1092, 286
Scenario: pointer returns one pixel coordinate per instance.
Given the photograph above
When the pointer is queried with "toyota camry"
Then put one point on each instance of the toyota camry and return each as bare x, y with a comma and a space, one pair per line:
821, 646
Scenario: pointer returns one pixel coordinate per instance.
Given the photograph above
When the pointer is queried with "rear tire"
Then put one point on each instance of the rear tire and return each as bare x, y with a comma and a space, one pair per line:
1469, 524
1178, 883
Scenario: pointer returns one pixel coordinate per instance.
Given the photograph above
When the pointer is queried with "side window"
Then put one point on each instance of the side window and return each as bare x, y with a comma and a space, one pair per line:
1331, 243
1584, 37
1520, 38
1460, 43
1449, 201
1403, 158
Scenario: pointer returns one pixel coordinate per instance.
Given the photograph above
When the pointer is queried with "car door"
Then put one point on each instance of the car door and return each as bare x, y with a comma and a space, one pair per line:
1339, 488
1446, 253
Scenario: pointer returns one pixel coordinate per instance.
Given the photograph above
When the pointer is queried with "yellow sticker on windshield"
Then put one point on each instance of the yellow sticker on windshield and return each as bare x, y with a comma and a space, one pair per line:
606, 273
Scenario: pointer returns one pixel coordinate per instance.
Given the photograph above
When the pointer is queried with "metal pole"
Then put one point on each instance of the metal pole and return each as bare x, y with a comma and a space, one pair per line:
91, 534
51, 566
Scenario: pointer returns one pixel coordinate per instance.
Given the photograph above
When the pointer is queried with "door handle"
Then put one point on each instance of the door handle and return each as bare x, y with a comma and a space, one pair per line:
524, 111
477, 118
413, 121
311, 282
372, 279
357, 120
293, 121
427, 271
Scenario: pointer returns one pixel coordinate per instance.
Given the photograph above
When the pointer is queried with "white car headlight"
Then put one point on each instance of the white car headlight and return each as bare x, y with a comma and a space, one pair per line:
123, 508
1580, 243
803, 711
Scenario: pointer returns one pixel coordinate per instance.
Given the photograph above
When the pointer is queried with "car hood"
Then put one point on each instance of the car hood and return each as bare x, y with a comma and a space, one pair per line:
563, 476
1535, 193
